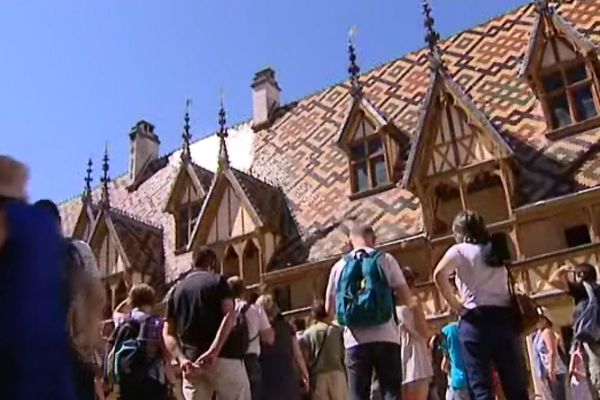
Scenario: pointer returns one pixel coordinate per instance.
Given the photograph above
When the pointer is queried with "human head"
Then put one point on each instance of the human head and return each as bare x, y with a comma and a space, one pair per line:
267, 302
318, 311
252, 297
205, 259
469, 227
142, 296
586, 272
362, 236
300, 324
13, 180
237, 285
52, 209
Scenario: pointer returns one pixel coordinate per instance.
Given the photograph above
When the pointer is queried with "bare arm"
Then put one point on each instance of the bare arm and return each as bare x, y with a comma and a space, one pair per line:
550, 341
441, 277
267, 336
299, 358
172, 343
559, 278
421, 322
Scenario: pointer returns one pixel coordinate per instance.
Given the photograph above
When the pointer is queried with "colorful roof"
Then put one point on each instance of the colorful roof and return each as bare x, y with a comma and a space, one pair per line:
299, 155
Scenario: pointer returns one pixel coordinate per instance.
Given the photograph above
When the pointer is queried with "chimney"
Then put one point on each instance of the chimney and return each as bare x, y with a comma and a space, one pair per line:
144, 148
265, 98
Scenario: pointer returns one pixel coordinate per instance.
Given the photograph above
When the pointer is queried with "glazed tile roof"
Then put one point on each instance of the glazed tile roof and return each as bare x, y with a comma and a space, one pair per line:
298, 153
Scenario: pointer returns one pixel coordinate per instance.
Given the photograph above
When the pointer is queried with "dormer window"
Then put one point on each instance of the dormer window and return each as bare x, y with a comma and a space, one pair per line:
568, 94
368, 164
186, 219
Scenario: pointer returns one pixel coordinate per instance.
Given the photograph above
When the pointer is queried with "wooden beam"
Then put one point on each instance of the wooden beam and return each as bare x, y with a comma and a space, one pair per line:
592, 223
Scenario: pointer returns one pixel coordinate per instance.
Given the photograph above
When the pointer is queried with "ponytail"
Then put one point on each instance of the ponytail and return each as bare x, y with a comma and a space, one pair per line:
469, 227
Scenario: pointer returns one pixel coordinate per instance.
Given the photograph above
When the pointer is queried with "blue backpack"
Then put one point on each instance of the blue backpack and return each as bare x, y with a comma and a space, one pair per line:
363, 296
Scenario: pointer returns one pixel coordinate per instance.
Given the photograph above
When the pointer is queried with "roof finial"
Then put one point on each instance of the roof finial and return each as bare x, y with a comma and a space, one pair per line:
87, 193
353, 68
186, 153
542, 7
432, 37
105, 180
223, 161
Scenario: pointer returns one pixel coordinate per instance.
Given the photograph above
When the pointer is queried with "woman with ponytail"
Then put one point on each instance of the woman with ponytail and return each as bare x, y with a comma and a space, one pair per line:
488, 328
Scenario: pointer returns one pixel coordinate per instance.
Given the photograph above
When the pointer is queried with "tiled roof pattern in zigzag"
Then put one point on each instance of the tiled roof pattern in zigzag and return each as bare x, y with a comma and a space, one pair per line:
298, 155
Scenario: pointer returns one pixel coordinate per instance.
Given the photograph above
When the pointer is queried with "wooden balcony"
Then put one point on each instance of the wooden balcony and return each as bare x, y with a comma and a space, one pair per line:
531, 276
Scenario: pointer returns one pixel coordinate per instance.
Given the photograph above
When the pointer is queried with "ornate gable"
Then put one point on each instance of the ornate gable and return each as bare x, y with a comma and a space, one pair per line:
85, 221
107, 247
452, 135
191, 184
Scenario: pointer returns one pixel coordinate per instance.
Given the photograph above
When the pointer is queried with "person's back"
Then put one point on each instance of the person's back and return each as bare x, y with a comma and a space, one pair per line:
458, 375
33, 296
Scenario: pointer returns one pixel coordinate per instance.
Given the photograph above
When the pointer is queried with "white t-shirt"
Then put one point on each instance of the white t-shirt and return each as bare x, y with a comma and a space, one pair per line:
387, 332
257, 321
478, 284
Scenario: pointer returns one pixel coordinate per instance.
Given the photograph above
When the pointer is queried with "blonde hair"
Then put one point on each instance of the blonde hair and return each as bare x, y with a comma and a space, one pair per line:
268, 303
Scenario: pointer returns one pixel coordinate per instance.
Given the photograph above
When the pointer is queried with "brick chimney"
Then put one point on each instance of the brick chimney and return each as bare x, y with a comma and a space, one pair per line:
144, 148
265, 98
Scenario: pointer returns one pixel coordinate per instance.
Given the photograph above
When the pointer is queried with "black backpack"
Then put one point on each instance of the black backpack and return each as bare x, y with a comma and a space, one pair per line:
239, 338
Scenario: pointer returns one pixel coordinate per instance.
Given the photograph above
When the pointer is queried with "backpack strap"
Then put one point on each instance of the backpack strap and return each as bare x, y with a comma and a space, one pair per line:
590, 293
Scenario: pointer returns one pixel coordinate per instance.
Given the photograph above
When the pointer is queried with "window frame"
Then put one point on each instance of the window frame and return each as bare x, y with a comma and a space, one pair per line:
370, 160
190, 207
569, 90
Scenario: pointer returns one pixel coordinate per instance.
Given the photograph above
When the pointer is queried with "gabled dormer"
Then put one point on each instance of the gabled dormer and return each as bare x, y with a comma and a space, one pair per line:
458, 159
561, 66
188, 191
373, 145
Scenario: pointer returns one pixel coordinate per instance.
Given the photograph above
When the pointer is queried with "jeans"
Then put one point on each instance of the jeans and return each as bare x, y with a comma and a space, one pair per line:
489, 336
379, 358
253, 370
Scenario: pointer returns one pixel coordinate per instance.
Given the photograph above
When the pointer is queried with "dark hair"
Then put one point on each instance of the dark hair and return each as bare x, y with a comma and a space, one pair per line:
317, 310
49, 206
469, 227
252, 297
587, 272
237, 286
205, 259
142, 295
362, 231
300, 324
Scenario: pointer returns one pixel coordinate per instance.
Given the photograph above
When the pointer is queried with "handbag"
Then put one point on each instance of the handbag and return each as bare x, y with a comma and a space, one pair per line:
525, 307
586, 327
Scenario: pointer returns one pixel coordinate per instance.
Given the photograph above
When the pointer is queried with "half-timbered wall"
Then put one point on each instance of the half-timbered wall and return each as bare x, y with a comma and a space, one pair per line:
109, 261
232, 219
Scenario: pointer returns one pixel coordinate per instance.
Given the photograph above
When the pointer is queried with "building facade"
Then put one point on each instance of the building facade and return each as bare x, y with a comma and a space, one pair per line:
503, 118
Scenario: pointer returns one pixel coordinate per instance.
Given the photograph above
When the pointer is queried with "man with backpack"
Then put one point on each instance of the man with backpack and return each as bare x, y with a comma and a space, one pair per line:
323, 349
360, 293
580, 282
138, 360
34, 348
255, 320
200, 333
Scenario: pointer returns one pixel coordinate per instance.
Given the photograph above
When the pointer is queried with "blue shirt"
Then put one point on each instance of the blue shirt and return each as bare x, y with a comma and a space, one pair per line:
35, 357
451, 344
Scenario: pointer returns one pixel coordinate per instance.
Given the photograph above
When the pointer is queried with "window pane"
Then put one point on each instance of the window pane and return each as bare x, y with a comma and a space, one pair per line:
358, 151
379, 171
559, 107
553, 82
361, 177
375, 146
577, 74
584, 102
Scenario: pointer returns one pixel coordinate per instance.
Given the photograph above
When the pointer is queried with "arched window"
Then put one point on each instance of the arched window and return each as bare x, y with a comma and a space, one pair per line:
251, 263
231, 263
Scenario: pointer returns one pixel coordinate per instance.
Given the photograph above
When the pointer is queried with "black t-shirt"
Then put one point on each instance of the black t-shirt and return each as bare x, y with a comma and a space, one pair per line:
195, 306
580, 297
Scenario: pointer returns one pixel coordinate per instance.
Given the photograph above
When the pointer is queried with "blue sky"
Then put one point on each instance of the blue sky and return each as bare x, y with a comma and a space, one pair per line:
75, 74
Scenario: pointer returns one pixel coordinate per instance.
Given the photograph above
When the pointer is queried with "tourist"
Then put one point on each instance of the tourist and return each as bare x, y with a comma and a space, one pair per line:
371, 339
35, 358
578, 377
414, 334
282, 361
549, 368
488, 329
323, 349
458, 388
571, 280
439, 382
200, 317
139, 338
259, 330
86, 298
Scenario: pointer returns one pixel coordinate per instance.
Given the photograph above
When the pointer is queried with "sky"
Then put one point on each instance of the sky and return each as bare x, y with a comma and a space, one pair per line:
76, 74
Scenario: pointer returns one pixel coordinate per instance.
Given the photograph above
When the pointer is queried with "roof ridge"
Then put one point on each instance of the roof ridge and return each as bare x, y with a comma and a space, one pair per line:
135, 218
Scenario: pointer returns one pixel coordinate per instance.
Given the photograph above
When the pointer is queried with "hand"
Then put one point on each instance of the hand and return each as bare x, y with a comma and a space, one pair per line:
552, 375
305, 384
187, 367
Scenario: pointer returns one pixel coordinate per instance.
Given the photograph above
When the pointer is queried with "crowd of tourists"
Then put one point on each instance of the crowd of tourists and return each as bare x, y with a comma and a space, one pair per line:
367, 339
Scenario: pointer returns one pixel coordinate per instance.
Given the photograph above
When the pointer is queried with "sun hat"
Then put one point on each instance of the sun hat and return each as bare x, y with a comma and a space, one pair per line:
13, 178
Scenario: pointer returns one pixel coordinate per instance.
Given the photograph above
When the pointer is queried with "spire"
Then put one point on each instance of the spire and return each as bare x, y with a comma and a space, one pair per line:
186, 153
432, 38
353, 68
105, 180
542, 7
87, 193
222, 134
